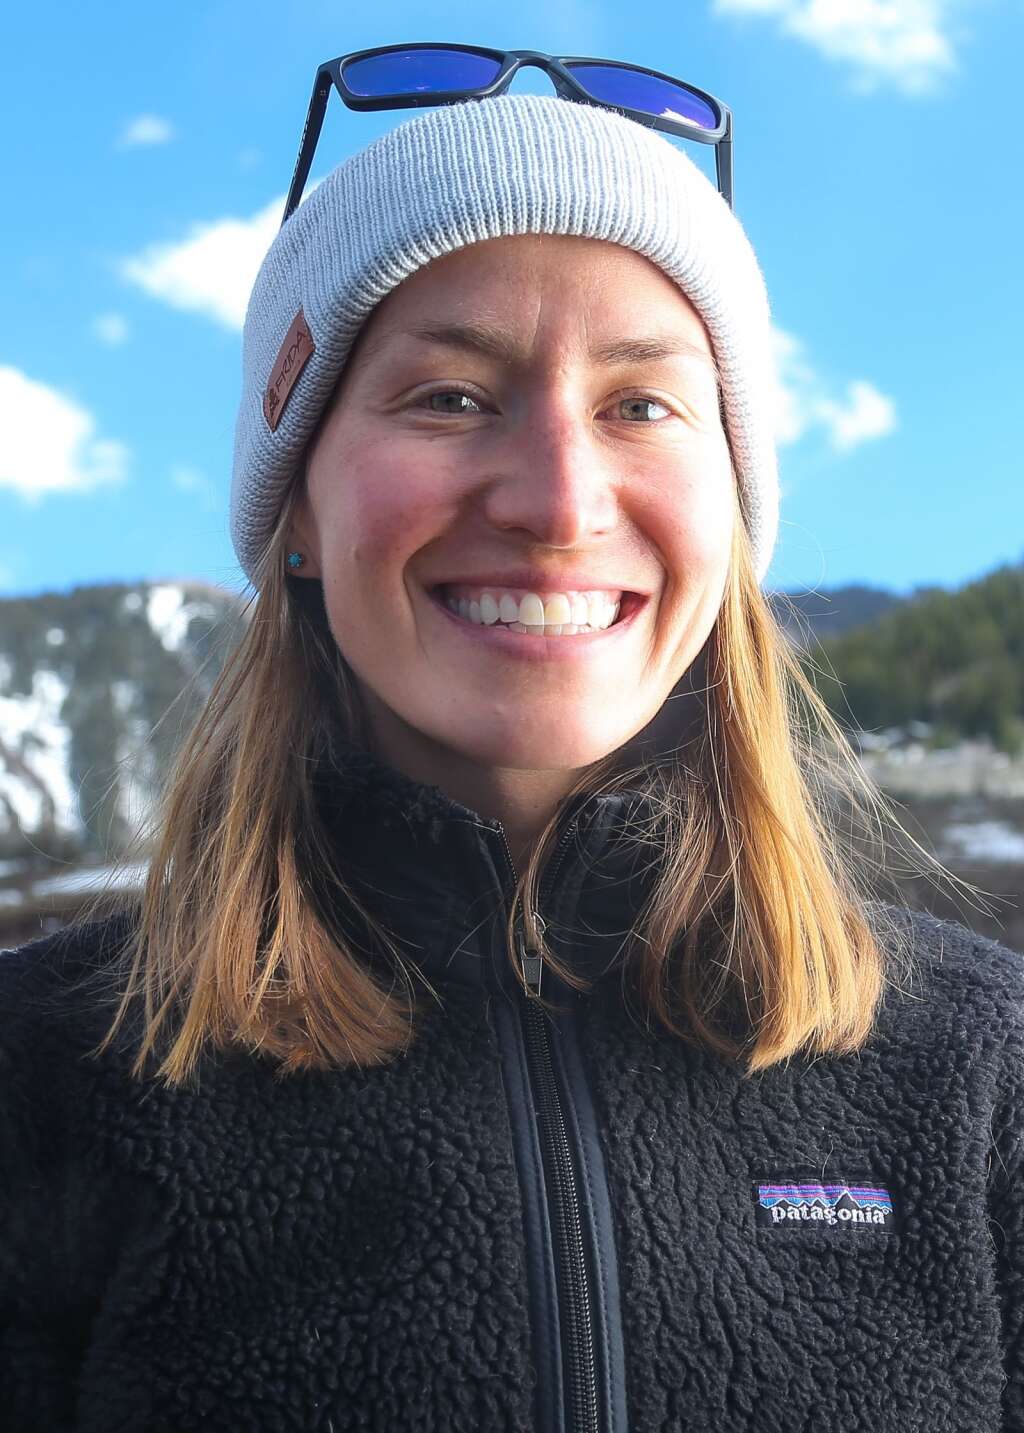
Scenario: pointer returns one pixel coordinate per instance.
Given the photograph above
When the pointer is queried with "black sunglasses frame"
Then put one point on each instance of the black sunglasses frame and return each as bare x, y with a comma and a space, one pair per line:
331, 74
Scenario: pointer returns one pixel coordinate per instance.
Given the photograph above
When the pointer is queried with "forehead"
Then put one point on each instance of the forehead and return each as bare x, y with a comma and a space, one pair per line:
527, 287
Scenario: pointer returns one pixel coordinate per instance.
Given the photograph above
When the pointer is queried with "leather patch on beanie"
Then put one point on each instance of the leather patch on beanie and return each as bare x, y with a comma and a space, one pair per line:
292, 357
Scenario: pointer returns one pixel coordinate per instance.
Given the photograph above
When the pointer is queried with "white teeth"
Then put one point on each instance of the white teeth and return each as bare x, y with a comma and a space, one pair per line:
562, 614
566, 630
531, 611
557, 610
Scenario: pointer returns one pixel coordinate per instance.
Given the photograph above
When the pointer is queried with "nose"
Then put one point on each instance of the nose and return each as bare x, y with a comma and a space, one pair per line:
554, 483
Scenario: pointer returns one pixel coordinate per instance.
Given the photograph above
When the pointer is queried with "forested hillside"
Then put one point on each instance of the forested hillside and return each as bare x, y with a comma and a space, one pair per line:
827, 612
952, 659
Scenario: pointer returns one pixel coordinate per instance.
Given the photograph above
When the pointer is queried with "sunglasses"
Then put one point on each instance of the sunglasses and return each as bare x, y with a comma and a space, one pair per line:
411, 76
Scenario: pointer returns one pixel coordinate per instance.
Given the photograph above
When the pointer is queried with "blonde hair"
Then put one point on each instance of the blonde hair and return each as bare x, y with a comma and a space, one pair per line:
759, 904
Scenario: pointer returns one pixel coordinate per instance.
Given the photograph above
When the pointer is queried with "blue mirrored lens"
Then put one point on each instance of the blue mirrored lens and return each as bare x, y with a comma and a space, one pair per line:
631, 90
419, 72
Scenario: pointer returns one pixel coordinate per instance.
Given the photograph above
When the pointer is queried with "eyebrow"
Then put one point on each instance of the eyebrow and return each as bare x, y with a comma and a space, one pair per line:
495, 344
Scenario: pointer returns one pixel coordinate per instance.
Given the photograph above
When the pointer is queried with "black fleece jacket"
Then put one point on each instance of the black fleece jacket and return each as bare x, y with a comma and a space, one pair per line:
523, 1223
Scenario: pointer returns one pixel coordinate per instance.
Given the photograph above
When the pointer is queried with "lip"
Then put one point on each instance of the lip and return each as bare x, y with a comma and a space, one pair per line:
529, 648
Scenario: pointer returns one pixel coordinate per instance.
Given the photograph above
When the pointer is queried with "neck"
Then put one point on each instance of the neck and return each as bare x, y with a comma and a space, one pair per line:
523, 801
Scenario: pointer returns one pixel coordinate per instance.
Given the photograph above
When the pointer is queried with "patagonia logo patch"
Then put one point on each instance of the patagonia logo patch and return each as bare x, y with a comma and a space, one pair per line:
863, 1205
295, 352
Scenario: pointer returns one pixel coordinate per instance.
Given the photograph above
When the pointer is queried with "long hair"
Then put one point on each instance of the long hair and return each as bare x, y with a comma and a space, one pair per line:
760, 904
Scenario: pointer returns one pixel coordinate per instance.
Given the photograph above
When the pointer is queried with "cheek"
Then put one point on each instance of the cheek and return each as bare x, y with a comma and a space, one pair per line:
377, 513
706, 534
696, 516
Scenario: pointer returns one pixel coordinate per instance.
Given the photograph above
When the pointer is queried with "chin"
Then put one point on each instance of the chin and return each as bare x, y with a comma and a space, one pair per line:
563, 750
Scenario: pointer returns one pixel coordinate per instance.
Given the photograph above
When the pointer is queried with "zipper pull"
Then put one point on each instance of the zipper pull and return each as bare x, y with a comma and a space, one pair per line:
531, 963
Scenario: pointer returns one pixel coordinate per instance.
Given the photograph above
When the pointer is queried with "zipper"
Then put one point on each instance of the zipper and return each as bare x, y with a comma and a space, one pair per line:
571, 1265
530, 962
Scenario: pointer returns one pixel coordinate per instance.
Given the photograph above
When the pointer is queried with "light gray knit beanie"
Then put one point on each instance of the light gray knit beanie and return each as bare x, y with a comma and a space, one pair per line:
510, 164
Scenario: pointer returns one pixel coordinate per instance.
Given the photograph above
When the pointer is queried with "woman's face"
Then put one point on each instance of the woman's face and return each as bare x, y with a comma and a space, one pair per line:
532, 414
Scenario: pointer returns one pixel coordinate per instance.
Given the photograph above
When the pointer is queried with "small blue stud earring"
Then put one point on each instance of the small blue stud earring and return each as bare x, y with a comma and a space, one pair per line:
295, 560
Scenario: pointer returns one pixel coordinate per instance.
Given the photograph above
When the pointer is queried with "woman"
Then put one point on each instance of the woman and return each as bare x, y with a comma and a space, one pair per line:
505, 1039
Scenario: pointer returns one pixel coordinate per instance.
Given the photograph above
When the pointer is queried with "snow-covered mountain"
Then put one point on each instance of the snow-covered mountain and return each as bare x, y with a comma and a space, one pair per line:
85, 678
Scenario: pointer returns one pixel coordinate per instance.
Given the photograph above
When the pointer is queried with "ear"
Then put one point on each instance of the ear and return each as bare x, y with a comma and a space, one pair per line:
302, 538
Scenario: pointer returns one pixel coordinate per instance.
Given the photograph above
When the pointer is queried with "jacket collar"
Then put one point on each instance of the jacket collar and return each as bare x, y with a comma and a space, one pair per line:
437, 874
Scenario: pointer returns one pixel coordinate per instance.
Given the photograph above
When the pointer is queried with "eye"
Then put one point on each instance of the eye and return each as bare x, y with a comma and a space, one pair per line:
451, 401
635, 408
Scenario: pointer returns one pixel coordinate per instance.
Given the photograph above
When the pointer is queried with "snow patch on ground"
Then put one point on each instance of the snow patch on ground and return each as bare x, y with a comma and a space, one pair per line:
88, 879
990, 841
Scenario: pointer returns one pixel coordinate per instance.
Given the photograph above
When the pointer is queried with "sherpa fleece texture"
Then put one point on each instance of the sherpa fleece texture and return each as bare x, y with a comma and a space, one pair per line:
386, 1249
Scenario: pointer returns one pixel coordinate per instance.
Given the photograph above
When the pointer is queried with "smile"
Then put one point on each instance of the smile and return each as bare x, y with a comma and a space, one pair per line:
529, 612
607, 622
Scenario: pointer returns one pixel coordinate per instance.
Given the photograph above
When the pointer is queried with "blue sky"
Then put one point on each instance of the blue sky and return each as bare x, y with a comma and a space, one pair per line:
148, 149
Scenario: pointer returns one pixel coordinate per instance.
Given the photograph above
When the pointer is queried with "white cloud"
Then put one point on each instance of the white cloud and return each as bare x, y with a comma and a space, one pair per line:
867, 414
212, 271
905, 44
111, 329
191, 480
50, 443
804, 403
145, 129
